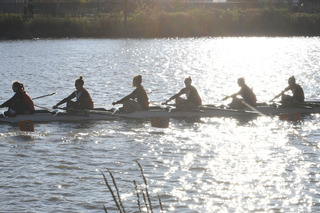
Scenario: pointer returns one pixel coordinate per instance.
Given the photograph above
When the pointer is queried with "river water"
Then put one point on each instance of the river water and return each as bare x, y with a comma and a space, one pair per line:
209, 165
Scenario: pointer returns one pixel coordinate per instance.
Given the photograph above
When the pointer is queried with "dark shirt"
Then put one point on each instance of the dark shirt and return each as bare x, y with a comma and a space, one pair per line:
192, 95
298, 94
20, 102
83, 101
248, 95
139, 95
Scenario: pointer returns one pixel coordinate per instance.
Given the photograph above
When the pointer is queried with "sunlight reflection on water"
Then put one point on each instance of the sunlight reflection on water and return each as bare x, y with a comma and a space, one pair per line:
210, 165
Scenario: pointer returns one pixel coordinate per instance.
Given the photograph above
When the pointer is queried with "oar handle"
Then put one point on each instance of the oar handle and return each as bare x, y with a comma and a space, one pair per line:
164, 103
45, 108
225, 98
50, 110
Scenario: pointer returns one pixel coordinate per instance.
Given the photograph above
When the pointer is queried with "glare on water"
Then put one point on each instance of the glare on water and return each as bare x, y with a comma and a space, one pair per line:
257, 164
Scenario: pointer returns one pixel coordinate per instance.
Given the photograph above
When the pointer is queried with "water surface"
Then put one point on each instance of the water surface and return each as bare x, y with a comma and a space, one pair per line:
209, 165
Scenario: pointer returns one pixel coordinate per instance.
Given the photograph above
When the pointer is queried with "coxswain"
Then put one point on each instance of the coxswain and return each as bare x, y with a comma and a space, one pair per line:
83, 99
297, 93
136, 101
247, 96
20, 103
193, 97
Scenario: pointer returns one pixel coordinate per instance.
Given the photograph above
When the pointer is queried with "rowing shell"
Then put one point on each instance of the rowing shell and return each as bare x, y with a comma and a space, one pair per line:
277, 110
50, 117
45, 116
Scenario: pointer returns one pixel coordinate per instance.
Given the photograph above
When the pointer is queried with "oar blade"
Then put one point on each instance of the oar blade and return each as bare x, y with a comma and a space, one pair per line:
26, 126
160, 122
290, 116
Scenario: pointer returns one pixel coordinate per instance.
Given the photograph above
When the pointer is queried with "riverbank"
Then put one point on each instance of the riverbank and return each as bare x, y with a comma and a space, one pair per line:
152, 23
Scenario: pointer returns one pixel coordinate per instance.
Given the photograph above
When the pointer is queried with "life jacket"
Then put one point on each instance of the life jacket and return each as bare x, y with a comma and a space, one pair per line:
88, 98
27, 100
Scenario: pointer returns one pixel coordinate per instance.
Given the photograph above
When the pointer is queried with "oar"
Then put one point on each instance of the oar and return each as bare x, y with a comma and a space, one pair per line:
191, 107
45, 108
225, 98
42, 96
50, 110
283, 116
252, 108
297, 117
184, 107
200, 108
164, 103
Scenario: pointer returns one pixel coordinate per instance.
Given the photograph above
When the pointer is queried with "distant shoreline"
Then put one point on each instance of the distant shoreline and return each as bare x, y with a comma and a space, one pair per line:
159, 24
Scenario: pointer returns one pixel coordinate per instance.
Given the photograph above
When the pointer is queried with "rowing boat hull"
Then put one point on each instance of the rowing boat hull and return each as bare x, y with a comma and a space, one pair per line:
60, 117
161, 113
158, 113
107, 115
275, 110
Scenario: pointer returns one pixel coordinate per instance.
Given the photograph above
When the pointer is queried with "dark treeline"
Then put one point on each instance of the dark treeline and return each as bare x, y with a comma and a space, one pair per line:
176, 20
85, 7
62, 8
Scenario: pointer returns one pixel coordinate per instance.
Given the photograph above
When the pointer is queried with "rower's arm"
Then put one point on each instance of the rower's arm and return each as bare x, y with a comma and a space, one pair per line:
10, 101
133, 95
281, 93
181, 92
173, 97
7, 103
69, 98
231, 96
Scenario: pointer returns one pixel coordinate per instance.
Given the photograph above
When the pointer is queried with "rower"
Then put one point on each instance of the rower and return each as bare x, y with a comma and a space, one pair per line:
83, 99
136, 101
246, 93
297, 91
193, 97
20, 103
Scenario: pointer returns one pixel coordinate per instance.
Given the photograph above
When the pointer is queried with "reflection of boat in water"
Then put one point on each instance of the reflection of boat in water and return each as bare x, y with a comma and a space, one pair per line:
158, 112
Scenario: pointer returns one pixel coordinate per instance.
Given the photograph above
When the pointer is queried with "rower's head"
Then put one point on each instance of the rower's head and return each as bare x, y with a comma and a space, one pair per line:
79, 83
291, 81
137, 80
17, 86
241, 82
188, 81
